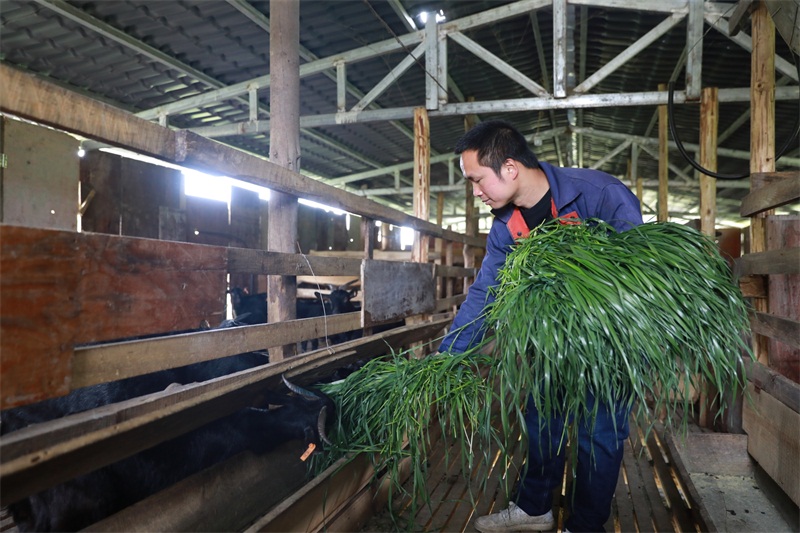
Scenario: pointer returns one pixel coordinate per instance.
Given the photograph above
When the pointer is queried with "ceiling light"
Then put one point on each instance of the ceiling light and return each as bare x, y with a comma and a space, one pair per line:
423, 17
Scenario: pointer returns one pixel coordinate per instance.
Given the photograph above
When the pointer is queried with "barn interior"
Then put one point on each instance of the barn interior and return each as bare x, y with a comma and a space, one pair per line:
156, 155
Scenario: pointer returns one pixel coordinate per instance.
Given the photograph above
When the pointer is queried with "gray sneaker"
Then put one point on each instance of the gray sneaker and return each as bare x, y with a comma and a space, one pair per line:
514, 519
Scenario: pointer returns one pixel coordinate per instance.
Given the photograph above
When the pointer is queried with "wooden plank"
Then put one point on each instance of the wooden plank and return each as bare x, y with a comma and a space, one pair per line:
352, 282
379, 255
42, 455
143, 189
454, 271
147, 286
780, 387
73, 282
444, 304
773, 439
785, 261
681, 514
288, 264
302, 511
110, 362
775, 194
753, 286
226, 497
443, 489
783, 295
624, 505
641, 504
465, 489
29, 97
658, 511
395, 290
367, 502
723, 483
101, 173
782, 329
699, 510
40, 176
41, 316
494, 496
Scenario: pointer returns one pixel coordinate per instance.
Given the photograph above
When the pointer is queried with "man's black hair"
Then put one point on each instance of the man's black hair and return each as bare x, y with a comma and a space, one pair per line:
495, 141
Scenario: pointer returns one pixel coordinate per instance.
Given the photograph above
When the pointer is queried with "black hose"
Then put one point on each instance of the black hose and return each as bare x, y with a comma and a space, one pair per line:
674, 131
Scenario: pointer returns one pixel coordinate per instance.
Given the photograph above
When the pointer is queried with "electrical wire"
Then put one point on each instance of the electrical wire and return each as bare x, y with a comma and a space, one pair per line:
792, 140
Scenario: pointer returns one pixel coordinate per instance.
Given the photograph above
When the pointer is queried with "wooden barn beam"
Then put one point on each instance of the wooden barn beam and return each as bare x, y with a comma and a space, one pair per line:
284, 150
709, 119
422, 179
762, 139
470, 215
28, 97
663, 160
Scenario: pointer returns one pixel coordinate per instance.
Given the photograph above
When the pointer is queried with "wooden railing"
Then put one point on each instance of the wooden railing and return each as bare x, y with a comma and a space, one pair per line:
67, 298
771, 416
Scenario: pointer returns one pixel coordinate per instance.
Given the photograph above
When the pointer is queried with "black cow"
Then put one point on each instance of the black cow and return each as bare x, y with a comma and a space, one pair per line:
249, 308
339, 301
252, 309
89, 498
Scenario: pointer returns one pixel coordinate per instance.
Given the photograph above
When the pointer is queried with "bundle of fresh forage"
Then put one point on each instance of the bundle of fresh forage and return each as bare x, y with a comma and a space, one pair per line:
390, 407
579, 308
631, 316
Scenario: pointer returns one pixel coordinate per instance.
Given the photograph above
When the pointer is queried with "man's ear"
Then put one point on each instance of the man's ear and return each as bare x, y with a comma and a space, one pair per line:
510, 169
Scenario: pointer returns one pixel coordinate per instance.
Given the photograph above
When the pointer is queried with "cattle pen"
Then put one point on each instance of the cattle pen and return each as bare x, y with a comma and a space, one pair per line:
142, 286
139, 289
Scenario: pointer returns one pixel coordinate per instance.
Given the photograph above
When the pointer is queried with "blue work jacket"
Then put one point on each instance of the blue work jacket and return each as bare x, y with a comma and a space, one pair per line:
576, 192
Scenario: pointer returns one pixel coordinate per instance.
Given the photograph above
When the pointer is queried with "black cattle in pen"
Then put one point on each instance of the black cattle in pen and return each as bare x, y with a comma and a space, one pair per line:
340, 301
91, 497
252, 309
249, 308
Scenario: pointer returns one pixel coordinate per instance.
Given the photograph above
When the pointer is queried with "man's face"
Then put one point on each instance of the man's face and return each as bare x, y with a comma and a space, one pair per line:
492, 189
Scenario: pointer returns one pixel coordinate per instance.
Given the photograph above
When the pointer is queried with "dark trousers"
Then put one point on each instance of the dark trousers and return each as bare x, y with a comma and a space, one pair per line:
600, 450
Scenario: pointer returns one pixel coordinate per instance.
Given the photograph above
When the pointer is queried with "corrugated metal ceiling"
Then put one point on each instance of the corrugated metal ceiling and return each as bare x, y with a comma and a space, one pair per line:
140, 54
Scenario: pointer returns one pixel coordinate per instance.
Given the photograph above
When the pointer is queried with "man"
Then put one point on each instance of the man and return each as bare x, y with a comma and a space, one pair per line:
523, 193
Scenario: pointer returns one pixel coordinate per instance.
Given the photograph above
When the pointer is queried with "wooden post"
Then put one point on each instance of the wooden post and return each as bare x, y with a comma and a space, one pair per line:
709, 118
471, 220
636, 180
448, 260
438, 244
367, 225
663, 160
385, 240
422, 191
284, 150
762, 137
422, 180
367, 229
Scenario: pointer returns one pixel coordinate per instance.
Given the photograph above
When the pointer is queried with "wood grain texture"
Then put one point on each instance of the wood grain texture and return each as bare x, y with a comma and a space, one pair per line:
41, 313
